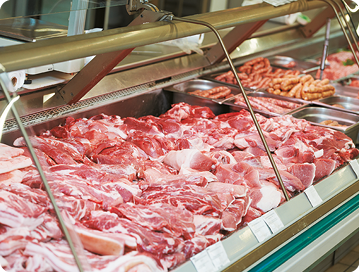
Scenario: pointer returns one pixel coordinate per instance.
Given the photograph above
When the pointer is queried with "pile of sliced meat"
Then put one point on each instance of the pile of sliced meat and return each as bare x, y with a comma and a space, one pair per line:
151, 192
341, 65
268, 104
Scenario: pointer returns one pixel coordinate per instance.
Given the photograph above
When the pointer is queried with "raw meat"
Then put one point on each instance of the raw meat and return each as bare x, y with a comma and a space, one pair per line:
190, 158
7, 152
14, 163
16, 211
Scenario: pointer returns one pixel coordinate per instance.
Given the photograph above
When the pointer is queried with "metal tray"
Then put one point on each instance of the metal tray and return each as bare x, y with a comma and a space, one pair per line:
350, 104
302, 66
202, 84
315, 115
265, 94
345, 90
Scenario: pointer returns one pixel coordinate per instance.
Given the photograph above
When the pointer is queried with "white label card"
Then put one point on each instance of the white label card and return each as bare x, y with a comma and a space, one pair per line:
259, 229
273, 221
313, 196
203, 263
218, 255
355, 166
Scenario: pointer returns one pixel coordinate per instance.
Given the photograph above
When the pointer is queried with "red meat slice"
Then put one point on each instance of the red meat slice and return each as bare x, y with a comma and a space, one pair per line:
291, 182
14, 163
225, 174
155, 243
206, 225
235, 190
16, 211
7, 152
305, 172
323, 168
265, 197
191, 158
252, 214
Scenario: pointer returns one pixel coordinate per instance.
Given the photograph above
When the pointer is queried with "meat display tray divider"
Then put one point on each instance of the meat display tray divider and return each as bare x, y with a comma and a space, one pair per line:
351, 104
265, 94
315, 115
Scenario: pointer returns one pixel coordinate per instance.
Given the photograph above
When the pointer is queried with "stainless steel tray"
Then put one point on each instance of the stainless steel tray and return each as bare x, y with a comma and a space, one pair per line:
315, 115
345, 90
202, 84
265, 94
350, 104
302, 66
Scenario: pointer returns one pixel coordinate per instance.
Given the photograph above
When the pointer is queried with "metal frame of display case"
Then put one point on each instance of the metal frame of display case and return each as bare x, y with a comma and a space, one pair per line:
300, 219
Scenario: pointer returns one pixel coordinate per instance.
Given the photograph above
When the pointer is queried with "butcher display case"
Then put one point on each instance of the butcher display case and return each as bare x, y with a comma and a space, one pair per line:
297, 235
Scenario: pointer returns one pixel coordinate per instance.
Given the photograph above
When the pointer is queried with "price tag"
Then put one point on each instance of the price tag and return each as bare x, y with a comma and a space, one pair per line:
355, 166
273, 221
218, 255
202, 262
313, 196
259, 229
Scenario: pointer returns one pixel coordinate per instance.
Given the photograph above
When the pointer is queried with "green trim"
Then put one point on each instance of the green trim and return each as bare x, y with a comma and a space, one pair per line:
307, 237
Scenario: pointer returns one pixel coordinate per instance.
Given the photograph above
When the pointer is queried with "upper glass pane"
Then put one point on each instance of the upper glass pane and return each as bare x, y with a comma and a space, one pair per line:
30, 8
32, 20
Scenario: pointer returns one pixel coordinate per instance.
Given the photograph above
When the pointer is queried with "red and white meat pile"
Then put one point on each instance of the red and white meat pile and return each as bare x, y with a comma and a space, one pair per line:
341, 65
151, 192
256, 73
268, 104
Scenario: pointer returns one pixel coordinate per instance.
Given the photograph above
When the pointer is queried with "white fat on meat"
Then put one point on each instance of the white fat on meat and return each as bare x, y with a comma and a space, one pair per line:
100, 242
37, 263
206, 174
16, 211
220, 187
189, 158
267, 164
265, 198
14, 163
3, 262
206, 225
12, 177
14, 239
197, 143
222, 156
7, 152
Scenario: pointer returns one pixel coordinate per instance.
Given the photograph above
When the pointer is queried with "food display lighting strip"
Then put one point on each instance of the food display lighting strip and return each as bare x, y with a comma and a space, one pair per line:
244, 96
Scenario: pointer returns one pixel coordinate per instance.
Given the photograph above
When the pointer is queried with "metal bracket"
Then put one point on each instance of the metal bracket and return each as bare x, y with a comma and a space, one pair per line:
232, 40
134, 6
100, 66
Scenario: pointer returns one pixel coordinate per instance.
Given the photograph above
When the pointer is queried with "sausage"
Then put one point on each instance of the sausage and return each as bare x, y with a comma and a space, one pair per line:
266, 62
305, 78
253, 61
264, 82
245, 68
257, 66
285, 85
221, 94
294, 90
324, 82
276, 91
277, 80
223, 76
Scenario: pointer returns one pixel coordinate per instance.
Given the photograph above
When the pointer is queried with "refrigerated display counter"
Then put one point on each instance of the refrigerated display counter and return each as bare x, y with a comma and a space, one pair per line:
294, 236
